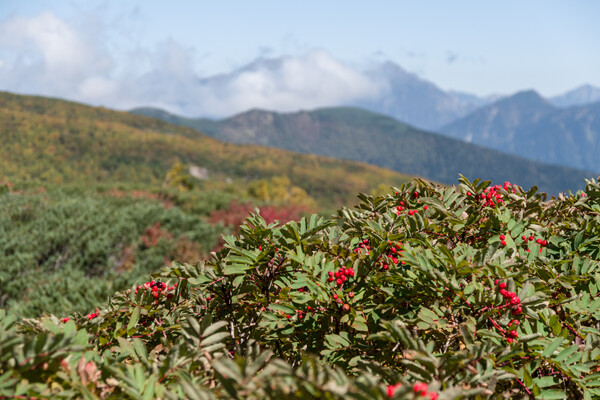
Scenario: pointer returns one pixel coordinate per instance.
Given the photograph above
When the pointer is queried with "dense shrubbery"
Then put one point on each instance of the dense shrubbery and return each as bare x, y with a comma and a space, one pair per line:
431, 292
69, 251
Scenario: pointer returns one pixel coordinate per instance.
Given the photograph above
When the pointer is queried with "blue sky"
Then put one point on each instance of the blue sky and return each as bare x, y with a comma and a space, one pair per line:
125, 53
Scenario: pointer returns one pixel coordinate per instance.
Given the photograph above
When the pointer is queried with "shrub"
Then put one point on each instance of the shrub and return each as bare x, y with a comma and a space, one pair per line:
431, 292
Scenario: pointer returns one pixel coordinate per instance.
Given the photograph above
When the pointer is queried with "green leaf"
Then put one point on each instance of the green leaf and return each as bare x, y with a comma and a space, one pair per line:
563, 355
283, 308
214, 338
552, 394
133, 320
552, 347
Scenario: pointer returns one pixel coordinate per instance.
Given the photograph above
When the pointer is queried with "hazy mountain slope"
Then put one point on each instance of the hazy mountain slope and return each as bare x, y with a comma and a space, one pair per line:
527, 125
356, 134
582, 95
56, 141
416, 101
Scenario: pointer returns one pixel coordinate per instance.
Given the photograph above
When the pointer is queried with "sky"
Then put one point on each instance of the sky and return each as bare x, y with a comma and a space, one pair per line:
192, 57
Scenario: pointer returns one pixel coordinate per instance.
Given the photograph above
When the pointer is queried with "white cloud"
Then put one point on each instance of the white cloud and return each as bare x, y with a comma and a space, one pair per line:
286, 84
46, 55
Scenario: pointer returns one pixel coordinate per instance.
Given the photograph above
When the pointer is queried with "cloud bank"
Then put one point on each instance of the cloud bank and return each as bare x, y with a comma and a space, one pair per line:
46, 55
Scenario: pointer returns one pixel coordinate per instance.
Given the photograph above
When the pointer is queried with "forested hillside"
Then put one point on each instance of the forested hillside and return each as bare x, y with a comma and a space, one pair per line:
54, 141
355, 134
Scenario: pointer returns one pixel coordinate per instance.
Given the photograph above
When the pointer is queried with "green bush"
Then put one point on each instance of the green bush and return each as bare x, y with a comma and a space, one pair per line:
473, 291
69, 251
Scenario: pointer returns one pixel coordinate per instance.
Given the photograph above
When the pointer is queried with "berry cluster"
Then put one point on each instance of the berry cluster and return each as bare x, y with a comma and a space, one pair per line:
363, 245
401, 206
393, 254
492, 195
514, 303
93, 315
341, 275
511, 298
503, 240
302, 314
419, 388
541, 242
157, 288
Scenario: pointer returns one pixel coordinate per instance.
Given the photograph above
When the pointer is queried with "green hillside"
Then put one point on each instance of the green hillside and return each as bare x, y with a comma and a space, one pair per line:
54, 141
355, 134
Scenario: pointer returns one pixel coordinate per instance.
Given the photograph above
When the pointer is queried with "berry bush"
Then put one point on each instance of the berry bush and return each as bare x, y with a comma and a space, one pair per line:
429, 292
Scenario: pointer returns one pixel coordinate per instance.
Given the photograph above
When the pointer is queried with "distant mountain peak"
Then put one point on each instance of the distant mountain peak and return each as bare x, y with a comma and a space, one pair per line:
584, 94
526, 99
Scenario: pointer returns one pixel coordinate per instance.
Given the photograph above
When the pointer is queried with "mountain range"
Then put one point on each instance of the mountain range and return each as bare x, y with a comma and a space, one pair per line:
562, 130
526, 124
361, 135
285, 84
416, 101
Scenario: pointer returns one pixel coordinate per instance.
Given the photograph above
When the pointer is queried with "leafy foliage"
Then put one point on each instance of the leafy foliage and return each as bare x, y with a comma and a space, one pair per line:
67, 251
435, 292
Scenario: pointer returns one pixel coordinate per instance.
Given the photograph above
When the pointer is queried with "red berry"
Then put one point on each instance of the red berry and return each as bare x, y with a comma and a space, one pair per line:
65, 319
339, 281
433, 396
351, 294
425, 207
502, 237
517, 310
346, 307
420, 389
504, 292
392, 388
524, 237
503, 243
496, 282
502, 285
335, 296
514, 301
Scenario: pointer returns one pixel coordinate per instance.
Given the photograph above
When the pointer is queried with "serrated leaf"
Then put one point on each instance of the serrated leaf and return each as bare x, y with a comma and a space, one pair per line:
552, 347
